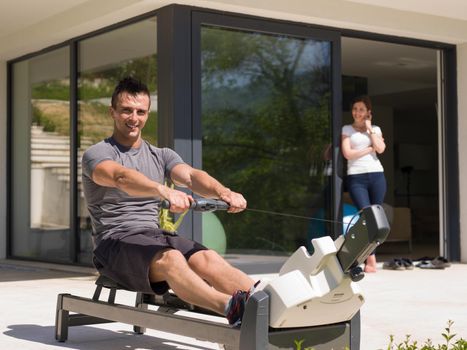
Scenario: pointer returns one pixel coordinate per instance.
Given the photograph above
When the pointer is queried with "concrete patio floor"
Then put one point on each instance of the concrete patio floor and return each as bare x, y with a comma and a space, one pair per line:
416, 302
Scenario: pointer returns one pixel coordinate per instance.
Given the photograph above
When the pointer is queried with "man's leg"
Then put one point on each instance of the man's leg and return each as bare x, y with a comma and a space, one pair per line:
171, 266
211, 267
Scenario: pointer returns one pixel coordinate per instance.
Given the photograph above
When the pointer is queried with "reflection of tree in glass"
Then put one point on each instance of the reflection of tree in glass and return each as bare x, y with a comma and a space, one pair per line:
51, 109
50, 105
98, 84
266, 117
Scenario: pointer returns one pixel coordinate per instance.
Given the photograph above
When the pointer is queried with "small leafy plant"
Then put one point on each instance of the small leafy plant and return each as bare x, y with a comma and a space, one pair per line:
448, 336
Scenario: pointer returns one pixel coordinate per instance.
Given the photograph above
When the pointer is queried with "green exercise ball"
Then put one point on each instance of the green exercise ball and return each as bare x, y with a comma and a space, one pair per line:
213, 233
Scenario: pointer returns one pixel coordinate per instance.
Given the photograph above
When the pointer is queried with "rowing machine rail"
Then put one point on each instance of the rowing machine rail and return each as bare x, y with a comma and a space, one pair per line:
270, 320
253, 334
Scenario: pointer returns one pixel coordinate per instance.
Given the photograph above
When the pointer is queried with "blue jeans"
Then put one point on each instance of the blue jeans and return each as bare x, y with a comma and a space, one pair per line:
367, 189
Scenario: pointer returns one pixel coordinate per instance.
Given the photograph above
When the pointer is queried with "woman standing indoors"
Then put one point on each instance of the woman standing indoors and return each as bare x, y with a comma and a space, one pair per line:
361, 142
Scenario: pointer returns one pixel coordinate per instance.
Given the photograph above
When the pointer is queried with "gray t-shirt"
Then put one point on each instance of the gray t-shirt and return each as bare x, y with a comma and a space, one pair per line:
114, 212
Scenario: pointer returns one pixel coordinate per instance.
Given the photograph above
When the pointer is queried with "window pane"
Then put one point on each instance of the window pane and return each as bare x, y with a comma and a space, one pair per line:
266, 121
41, 157
103, 61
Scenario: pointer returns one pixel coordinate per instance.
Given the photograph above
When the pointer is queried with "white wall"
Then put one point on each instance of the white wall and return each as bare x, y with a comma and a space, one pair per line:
3, 159
79, 20
462, 129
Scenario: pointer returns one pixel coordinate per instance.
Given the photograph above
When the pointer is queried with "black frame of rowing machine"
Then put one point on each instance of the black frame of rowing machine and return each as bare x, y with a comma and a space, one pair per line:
253, 334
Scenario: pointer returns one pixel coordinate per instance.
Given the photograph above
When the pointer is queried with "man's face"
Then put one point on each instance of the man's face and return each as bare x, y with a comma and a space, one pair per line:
130, 116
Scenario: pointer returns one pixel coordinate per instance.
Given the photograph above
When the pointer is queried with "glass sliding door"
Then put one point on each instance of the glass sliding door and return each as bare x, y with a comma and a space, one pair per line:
41, 157
103, 61
266, 127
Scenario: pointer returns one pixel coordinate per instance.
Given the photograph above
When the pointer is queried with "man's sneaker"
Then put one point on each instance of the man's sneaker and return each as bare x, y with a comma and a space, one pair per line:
237, 307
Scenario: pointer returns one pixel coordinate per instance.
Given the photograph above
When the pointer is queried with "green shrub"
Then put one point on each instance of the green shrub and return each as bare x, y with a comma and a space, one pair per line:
450, 344
40, 118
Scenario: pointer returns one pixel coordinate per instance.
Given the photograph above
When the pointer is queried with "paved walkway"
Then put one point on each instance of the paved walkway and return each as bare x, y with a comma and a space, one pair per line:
417, 302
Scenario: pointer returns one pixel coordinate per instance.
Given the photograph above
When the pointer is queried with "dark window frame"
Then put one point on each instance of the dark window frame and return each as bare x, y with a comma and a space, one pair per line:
274, 27
450, 155
449, 88
72, 44
180, 104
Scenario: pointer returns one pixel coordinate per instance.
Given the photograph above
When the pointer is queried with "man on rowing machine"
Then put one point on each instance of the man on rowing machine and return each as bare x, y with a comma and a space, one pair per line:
123, 180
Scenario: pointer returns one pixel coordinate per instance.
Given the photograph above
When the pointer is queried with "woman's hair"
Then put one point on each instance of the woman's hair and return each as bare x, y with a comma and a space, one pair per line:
365, 99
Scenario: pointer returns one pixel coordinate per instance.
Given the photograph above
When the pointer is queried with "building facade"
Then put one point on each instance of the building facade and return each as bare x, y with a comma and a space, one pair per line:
254, 94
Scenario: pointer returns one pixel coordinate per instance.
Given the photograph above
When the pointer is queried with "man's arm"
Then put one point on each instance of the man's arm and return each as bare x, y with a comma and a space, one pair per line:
205, 185
109, 173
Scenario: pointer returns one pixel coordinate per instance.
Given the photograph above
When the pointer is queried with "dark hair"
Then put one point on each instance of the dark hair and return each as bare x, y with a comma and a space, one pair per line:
131, 86
365, 99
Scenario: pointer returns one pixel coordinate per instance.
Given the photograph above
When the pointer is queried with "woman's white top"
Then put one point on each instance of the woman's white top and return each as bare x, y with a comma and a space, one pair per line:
359, 140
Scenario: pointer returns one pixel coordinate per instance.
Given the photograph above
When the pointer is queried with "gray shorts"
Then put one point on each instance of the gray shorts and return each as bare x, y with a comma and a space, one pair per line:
126, 258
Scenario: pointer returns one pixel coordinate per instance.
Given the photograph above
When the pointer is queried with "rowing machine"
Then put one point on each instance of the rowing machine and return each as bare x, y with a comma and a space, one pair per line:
314, 301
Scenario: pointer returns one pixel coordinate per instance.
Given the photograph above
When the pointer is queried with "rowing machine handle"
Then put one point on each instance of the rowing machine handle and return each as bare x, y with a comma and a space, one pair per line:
202, 204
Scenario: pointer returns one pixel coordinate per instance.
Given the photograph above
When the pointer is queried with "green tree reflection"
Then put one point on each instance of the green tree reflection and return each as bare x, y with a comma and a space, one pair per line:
266, 123
50, 99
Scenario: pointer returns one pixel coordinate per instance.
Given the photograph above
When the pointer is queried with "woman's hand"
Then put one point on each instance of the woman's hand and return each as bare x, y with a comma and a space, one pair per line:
368, 123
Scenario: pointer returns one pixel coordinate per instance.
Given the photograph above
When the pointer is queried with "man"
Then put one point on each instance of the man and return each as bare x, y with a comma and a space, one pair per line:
123, 180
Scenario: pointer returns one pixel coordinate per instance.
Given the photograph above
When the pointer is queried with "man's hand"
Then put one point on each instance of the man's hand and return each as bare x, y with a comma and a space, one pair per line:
179, 201
203, 184
236, 201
